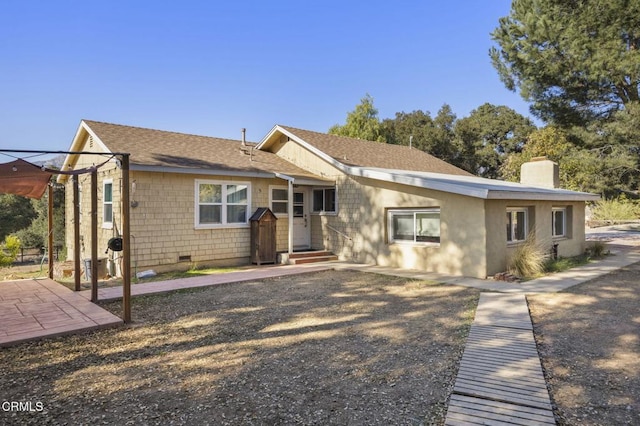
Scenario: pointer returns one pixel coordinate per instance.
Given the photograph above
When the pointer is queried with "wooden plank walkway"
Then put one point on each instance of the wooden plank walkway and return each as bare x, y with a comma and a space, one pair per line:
500, 381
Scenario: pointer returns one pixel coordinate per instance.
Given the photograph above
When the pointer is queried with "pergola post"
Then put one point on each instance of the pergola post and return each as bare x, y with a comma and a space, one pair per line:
50, 228
126, 242
94, 235
76, 233
290, 214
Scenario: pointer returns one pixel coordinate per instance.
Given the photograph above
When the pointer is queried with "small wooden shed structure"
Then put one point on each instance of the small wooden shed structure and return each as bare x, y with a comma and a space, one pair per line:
263, 236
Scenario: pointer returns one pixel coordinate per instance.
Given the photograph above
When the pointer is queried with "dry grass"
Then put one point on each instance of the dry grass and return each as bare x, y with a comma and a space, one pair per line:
589, 341
528, 259
323, 348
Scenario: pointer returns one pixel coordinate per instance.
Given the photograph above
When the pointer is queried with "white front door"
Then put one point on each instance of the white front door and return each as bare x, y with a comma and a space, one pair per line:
301, 220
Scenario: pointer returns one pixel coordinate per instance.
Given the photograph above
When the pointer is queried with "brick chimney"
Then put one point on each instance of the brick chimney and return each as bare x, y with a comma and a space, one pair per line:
540, 171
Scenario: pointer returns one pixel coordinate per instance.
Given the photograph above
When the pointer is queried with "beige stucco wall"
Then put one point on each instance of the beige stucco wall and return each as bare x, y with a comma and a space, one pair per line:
362, 217
539, 222
473, 231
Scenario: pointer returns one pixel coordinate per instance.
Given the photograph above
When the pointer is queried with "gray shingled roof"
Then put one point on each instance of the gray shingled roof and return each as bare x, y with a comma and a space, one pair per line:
163, 149
361, 153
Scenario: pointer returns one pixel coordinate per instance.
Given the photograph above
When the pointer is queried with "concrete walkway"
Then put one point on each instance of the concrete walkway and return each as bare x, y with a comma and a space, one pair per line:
253, 274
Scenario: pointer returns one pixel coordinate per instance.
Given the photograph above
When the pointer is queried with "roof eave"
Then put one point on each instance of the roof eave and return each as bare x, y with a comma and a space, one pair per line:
210, 172
542, 196
418, 182
461, 189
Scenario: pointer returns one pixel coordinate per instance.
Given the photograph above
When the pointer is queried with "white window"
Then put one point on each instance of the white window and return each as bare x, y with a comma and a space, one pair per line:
324, 200
516, 224
279, 199
221, 204
558, 222
414, 226
107, 203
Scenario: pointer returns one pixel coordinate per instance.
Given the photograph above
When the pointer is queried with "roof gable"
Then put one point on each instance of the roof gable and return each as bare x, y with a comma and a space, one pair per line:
159, 150
353, 152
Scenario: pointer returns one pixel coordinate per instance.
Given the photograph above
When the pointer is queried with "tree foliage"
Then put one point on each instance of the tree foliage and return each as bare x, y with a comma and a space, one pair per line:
494, 140
576, 61
15, 213
362, 122
606, 170
434, 136
9, 250
488, 135
36, 234
549, 142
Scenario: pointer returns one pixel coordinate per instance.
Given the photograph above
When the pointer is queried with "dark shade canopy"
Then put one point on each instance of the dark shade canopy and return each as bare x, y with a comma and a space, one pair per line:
23, 178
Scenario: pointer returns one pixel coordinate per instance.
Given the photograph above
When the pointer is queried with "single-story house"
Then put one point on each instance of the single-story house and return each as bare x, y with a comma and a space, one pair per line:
366, 202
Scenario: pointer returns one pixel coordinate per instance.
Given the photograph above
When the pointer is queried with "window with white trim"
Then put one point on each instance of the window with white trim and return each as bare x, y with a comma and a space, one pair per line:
222, 203
279, 199
324, 200
107, 203
517, 224
420, 226
559, 222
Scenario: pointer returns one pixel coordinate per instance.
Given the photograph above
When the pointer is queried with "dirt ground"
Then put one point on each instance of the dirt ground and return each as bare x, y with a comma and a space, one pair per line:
589, 340
324, 348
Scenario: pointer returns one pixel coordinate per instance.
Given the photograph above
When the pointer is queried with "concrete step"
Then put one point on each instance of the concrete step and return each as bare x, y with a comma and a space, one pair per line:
303, 254
313, 259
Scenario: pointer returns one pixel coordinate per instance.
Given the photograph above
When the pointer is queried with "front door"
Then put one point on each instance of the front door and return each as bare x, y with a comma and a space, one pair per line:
301, 220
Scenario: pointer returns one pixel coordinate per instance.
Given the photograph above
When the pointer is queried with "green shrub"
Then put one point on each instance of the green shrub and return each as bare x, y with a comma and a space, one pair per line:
528, 259
9, 250
615, 209
562, 264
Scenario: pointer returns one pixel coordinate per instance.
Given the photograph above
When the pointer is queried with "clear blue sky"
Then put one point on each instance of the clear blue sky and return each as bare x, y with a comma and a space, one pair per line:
211, 67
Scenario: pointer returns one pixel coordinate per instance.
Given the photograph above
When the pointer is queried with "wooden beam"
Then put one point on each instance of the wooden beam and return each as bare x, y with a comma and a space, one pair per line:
126, 242
290, 218
94, 236
50, 226
76, 233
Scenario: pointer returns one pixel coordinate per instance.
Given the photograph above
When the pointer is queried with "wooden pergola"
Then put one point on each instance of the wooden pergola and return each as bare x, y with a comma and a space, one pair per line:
23, 178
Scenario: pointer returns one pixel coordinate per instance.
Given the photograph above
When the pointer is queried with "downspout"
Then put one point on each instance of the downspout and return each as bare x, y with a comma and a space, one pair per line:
290, 181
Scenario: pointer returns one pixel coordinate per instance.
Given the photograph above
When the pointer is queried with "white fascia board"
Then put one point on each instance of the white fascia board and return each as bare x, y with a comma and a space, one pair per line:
264, 140
284, 177
76, 146
420, 182
472, 186
315, 151
209, 172
543, 196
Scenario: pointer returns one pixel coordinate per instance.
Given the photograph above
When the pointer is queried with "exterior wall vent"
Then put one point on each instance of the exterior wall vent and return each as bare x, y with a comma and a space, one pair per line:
184, 258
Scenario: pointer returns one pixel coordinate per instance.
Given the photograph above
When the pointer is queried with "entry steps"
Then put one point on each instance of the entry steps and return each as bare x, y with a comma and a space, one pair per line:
301, 257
